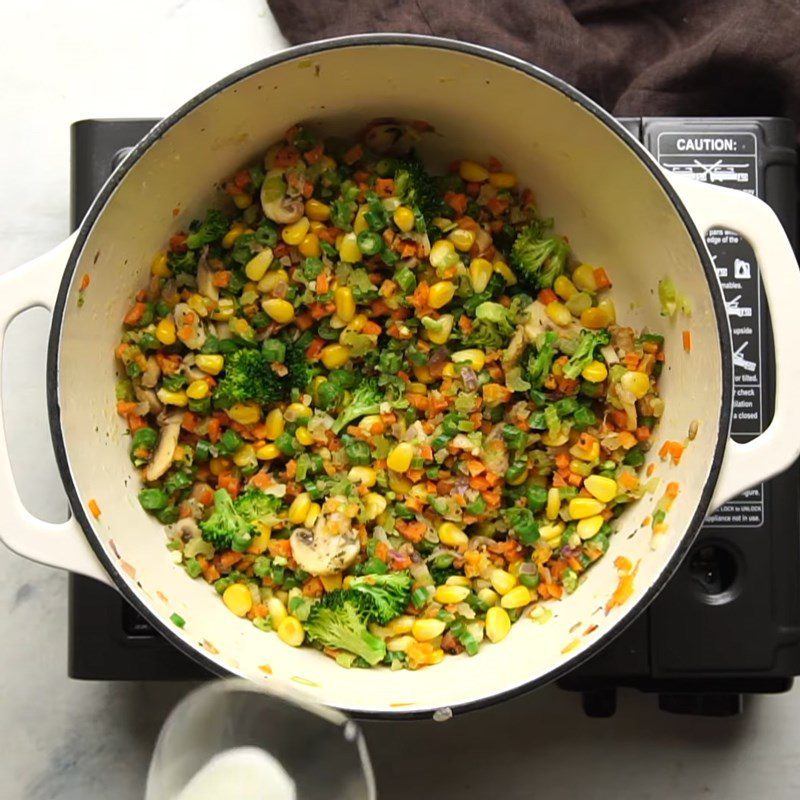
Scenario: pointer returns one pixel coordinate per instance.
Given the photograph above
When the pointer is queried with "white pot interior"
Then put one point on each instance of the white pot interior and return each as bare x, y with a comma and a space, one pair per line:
603, 197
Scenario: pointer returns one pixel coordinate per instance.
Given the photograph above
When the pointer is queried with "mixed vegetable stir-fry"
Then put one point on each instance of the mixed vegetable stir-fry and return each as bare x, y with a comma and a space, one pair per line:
382, 412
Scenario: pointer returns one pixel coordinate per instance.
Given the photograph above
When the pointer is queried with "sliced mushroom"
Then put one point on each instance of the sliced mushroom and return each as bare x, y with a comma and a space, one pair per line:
332, 546
185, 316
165, 450
205, 283
391, 137
277, 205
148, 396
186, 528
151, 374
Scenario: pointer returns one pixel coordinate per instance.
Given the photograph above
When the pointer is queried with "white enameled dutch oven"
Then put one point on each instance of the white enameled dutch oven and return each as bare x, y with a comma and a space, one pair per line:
618, 208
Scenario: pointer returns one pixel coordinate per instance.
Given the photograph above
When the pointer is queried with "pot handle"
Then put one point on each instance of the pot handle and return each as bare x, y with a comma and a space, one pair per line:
774, 450
60, 544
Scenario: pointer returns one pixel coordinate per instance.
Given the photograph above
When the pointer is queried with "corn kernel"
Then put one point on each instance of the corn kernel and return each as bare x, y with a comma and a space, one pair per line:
359, 224
480, 271
165, 331
197, 390
295, 233
313, 515
315, 384
488, 596
581, 468
169, 398
582, 507
345, 304
451, 535
505, 271
242, 200
422, 373
518, 597
564, 287
280, 310
400, 644
583, 278
317, 210
365, 476
404, 218
472, 172
334, 356
332, 582
245, 413
472, 358
268, 452
558, 313
503, 180
310, 246
274, 424
603, 488
595, 318
198, 304
277, 611
211, 365
234, 232
552, 533
160, 268
502, 581
595, 372
637, 383
424, 630
218, 465
245, 456
399, 459
400, 625
458, 580
349, 250
257, 266
448, 595
589, 526
299, 508
553, 503
291, 632
441, 293
303, 435
462, 239
442, 332
238, 599
498, 624
442, 253
296, 411
271, 280
374, 505
225, 309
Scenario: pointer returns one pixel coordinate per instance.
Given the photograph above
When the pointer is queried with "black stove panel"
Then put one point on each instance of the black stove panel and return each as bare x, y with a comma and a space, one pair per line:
729, 622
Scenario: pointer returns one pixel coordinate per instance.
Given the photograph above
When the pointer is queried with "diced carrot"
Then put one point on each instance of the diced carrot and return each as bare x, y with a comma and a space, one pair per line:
601, 278
314, 154
261, 480
214, 429
177, 243
672, 489
664, 451
687, 341
498, 205
627, 439
85, 280
313, 587
322, 282
353, 154
371, 328
242, 179
456, 201
676, 451
94, 508
651, 468
631, 361
494, 393
622, 563
382, 551
189, 421
304, 321
547, 296
384, 187
135, 422
221, 278
643, 433
135, 314
125, 407
628, 480
258, 611
315, 348
230, 481
287, 156
291, 468
562, 460
279, 547
229, 558
411, 530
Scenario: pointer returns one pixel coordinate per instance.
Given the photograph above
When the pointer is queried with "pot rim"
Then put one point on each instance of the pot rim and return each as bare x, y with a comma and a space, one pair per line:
354, 41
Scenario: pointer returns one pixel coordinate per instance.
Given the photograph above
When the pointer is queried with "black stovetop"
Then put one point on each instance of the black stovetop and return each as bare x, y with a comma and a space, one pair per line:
728, 624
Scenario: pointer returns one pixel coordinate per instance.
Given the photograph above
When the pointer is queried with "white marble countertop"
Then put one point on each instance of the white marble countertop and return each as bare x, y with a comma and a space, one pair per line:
70, 740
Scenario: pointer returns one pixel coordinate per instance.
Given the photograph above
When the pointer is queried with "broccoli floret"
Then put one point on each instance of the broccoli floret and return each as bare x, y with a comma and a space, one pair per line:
249, 376
366, 400
213, 227
296, 363
226, 529
539, 364
416, 188
539, 259
337, 621
494, 324
254, 505
388, 594
584, 353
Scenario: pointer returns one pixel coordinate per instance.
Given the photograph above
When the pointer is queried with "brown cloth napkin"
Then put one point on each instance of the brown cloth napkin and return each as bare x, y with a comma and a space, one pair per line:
634, 57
